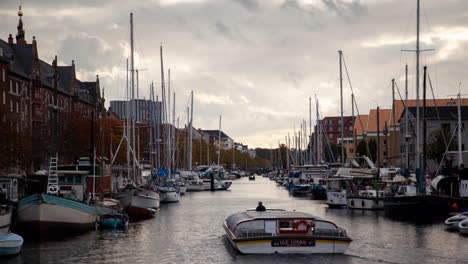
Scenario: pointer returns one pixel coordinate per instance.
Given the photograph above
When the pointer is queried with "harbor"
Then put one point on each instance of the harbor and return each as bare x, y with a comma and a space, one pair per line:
180, 234
117, 145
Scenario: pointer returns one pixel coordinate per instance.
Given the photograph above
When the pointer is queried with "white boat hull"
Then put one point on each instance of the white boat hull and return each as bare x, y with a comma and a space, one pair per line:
5, 219
336, 199
170, 197
463, 226
195, 187
182, 189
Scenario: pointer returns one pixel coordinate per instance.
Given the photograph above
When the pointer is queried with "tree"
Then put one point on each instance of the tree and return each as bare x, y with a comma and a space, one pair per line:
436, 146
362, 148
373, 149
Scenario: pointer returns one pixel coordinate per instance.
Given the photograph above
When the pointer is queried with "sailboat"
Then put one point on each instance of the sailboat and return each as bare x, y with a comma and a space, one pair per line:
418, 207
139, 200
61, 207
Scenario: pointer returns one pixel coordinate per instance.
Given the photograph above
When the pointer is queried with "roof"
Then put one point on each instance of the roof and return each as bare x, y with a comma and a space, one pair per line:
361, 124
215, 134
400, 106
234, 219
442, 113
17, 56
384, 116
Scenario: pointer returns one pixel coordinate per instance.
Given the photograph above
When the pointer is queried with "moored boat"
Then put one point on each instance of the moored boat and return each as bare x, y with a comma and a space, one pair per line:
280, 231
10, 244
366, 200
44, 214
138, 203
452, 222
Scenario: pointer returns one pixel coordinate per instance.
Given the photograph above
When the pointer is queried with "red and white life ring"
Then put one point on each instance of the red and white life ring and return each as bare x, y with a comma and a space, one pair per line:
301, 221
124, 183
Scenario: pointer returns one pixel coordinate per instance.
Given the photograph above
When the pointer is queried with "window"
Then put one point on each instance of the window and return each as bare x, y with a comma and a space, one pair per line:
330, 136
351, 150
11, 106
11, 86
4, 97
17, 88
3, 75
17, 107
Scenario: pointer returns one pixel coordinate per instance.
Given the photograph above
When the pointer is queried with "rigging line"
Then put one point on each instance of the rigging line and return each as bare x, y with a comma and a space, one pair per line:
357, 108
447, 149
436, 108
404, 105
326, 139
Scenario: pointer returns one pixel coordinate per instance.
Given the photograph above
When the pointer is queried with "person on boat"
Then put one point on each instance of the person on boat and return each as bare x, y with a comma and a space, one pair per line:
260, 207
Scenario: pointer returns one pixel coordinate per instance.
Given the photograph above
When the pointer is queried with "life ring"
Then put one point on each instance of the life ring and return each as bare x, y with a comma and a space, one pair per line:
124, 182
301, 221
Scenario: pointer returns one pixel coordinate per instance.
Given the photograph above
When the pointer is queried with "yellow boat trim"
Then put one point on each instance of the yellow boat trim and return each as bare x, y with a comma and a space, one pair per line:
269, 241
333, 241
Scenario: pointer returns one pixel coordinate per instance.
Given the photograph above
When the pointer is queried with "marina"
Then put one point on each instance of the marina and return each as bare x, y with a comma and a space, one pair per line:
376, 238
367, 173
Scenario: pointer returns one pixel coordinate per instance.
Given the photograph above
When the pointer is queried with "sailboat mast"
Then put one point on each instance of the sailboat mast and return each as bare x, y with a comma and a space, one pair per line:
191, 131
418, 151
219, 140
460, 155
341, 102
319, 141
406, 118
132, 87
310, 131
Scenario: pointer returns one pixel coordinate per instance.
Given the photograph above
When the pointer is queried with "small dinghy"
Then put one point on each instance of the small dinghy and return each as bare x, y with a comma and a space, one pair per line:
452, 222
463, 226
279, 231
10, 244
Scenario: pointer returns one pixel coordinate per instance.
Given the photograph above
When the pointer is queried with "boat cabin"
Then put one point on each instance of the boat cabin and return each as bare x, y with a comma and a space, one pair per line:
280, 223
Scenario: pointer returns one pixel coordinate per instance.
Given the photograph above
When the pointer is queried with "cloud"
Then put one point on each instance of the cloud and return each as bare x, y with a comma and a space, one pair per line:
250, 5
255, 62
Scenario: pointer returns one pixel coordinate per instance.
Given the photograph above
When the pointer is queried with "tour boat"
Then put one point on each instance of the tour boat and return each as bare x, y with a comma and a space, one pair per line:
10, 244
280, 231
452, 222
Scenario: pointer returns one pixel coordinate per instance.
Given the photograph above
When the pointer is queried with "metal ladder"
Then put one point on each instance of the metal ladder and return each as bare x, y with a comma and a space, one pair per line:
53, 180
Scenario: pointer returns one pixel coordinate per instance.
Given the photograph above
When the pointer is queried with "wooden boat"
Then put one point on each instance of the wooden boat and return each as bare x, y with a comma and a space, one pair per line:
280, 231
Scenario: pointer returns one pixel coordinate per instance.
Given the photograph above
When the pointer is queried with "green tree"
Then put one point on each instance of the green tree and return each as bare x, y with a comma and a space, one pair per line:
362, 148
436, 144
373, 149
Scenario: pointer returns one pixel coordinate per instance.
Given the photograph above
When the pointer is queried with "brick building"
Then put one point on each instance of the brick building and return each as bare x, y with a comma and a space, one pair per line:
35, 95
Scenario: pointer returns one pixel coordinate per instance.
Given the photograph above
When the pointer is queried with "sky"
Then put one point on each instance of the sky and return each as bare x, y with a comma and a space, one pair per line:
255, 62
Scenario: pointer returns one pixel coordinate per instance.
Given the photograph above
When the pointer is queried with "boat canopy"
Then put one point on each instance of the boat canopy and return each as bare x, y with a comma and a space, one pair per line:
233, 220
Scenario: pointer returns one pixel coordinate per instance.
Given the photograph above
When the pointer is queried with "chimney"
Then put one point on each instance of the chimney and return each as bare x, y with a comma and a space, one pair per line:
10, 39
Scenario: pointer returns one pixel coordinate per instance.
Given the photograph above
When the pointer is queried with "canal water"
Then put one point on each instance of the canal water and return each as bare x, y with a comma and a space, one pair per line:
191, 232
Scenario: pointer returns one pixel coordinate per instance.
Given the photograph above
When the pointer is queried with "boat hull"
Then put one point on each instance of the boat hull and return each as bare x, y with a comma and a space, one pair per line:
139, 204
365, 203
336, 199
170, 197
5, 219
269, 246
46, 214
182, 189
10, 244
420, 208
195, 187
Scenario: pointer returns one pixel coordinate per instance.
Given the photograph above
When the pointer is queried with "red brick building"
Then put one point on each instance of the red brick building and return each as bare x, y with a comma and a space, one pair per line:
35, 96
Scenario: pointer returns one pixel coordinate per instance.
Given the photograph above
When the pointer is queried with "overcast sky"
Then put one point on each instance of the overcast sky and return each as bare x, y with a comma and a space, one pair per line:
255, 62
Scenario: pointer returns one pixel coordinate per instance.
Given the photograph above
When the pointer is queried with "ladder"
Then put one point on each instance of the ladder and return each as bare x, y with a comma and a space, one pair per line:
53, 180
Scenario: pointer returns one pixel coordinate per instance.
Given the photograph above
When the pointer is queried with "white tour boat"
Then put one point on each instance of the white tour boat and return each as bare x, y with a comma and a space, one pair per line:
280, 231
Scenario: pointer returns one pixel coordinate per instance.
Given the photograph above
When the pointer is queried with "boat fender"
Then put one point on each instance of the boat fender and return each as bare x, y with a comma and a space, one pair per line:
302, 221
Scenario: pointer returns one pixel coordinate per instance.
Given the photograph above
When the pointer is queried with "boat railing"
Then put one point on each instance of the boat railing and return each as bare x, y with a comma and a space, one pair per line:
326, 232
